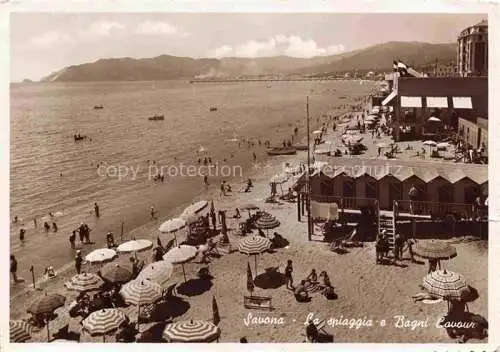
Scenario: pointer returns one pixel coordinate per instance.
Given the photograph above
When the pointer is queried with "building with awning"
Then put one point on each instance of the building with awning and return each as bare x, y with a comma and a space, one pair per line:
415, 100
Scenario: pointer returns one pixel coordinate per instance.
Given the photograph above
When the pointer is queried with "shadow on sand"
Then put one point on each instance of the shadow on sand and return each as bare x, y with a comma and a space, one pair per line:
171, 308
194, 287
271, 279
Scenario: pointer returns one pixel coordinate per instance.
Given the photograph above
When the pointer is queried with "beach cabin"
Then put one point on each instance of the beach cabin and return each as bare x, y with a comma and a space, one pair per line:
389, 190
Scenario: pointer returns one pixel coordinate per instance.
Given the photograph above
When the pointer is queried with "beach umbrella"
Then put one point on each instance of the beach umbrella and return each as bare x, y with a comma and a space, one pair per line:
433, 119
47, 305
134, 246
158, 272
172, 226
101, 255
180, 255
317, 132
267, 223
20, 331
215, 312
104, 322
141, 292
430, 144
85, 282
434, 250
250, 284
191, 331
447, 285
116, 273
443, 145
194, 208
254, 245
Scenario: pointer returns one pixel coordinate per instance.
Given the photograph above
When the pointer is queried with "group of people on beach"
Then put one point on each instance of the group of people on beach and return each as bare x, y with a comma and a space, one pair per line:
311, 282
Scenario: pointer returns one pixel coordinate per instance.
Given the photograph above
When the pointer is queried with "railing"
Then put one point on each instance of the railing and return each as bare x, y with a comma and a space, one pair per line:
435, 208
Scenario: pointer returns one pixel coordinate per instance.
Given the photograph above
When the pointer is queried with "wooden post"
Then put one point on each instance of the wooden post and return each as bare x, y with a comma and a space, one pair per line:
32, 269
121, 233
298, 206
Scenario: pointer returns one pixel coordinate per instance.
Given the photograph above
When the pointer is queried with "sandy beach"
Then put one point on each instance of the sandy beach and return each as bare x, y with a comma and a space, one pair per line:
374, 302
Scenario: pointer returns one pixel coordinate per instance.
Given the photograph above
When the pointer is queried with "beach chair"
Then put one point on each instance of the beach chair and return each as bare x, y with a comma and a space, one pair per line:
258, 302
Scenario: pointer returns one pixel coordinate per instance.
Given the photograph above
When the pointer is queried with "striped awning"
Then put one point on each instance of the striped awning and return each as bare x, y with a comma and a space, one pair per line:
388, 99
411, 102
191, 331
462, 102
254, 245
437, 102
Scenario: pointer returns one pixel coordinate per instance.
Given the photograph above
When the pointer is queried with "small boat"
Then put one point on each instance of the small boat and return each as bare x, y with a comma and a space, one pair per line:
156, 118
282, 151
98, 107
300, 147
213, 108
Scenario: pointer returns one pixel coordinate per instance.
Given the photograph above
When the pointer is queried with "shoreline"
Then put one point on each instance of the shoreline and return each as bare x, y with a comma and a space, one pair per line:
146, 225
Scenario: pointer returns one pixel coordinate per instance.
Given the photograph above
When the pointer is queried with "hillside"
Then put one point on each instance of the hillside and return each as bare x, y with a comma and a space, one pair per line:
377, 58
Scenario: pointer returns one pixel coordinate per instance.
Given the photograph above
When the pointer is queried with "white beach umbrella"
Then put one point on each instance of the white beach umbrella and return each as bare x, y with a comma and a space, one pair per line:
433, 119
173, 225
134, 246
194, 208
100, 255
430, 143
317, 132
180, 255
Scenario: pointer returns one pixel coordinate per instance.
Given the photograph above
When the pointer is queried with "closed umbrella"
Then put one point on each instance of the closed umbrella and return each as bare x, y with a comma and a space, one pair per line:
191, 331
254, 245
20, 331
116, 273
250, 284
157, 272
435, 250
172, 226
141, 292
104, 322
101, 255
85, 282
180, 255
215, 312
135, 246
267, 223
47, 305
447, 285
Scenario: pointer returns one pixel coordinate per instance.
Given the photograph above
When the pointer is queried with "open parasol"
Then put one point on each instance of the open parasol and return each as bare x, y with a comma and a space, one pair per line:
134, 246
433, 249
180, 255
116, 273
447, 285
141, 292
20, 331
158, 272
47, 305
267, 222
101, 255
194, 208
85, 282
104, 322
254, 245
191, 331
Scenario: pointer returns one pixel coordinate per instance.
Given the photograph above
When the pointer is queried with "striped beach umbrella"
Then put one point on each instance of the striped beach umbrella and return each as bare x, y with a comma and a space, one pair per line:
158, 272
141, 292
134, 246
104, 322
20, 331
433, 249
116, 273
254, 245
101, 255
194, 208
447, 285
85, 282
180, 255
191, 331
267, 222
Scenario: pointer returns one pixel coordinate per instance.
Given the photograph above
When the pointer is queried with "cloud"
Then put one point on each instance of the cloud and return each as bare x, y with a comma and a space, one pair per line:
101, 29
49, 38
280, 44
150, 27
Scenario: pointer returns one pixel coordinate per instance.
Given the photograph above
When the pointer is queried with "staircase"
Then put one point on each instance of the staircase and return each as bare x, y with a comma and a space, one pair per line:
387, 223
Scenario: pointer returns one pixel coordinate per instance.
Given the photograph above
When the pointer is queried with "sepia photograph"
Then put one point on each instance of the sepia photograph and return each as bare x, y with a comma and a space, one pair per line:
248, 177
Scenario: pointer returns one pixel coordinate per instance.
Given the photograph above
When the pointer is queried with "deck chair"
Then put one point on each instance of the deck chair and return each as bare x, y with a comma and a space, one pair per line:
258, 302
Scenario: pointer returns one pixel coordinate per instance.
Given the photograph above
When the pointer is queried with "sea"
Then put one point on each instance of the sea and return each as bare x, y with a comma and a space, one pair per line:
51, 173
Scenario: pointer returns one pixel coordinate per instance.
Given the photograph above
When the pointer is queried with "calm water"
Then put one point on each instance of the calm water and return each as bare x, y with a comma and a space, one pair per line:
44, 118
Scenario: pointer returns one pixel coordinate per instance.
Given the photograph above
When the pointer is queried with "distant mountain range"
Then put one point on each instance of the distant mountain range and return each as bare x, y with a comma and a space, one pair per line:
376, 58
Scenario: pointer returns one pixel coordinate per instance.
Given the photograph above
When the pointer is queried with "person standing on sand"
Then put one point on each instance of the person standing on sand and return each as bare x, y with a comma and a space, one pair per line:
153, 213
34, 223
96, 210
21, 234
13, 268
288, 275
205, 180
78, 261
214, 219
72, 239
223, 188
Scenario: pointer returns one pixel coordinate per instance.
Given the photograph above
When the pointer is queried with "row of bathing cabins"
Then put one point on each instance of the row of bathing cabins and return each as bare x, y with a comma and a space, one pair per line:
442, 187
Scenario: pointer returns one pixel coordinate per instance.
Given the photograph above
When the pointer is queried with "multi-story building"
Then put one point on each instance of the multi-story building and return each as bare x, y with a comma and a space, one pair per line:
472, 56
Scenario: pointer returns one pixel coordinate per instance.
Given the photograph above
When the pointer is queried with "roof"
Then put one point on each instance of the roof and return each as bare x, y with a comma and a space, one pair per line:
404, 169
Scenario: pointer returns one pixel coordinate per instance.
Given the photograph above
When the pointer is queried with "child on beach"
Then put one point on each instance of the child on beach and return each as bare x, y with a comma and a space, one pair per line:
288, 275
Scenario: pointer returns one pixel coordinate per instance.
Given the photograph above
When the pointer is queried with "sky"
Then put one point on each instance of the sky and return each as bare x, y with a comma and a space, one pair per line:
42, 43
